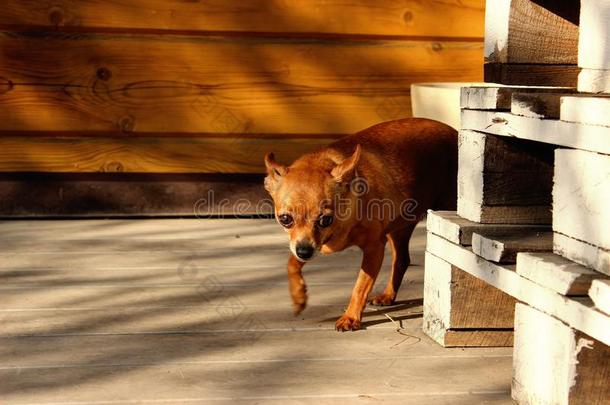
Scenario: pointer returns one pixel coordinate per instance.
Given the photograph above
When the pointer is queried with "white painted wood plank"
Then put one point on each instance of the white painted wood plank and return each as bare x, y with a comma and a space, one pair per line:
580, 196
471, 164
593, 138
456, 229
536, 105
437, 101
556, 272
594, 81
582, 252
450, 226
594, 34
577, 314
493, 96
586, 110
600, 294
545, 358
504, 248
437, 298
497, 20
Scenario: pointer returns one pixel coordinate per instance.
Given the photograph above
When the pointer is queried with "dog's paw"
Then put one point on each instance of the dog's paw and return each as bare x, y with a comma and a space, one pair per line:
346, 323
383, 300
298, 308
299, 303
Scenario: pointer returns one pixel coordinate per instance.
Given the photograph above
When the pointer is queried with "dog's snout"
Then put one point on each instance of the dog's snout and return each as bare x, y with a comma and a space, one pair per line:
304, 251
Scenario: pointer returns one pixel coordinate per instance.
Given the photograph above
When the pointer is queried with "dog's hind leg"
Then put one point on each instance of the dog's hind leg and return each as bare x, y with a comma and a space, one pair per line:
399, 240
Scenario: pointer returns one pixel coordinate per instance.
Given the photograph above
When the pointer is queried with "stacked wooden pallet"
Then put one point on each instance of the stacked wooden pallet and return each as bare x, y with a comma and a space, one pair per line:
525, 260
503, 245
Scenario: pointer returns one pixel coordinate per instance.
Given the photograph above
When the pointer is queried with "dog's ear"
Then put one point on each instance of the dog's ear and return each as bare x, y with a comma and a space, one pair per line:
275, 172
344, 170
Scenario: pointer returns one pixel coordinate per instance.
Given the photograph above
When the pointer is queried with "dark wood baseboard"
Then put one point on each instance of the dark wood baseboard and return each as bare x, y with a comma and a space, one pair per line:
531, 74
131, 194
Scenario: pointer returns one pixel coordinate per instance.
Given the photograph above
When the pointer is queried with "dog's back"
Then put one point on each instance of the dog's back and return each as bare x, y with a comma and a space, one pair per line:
411, 158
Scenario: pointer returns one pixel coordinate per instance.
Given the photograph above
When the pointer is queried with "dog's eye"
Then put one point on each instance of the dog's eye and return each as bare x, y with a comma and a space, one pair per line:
325, 220
285, 220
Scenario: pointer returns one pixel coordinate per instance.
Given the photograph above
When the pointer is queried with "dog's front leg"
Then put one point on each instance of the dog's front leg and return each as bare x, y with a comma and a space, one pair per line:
296, 284
371, 264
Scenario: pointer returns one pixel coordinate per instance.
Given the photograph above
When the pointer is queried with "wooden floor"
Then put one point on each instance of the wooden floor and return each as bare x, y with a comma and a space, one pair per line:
194, 311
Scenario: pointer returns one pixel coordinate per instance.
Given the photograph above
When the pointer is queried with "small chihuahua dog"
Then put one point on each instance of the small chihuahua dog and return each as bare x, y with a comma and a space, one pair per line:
363, 190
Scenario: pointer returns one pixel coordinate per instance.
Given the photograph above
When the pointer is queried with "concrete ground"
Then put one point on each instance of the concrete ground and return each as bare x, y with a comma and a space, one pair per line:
179, 311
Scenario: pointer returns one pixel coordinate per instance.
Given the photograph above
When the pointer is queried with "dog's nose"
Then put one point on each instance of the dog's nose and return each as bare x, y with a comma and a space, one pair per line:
304, 251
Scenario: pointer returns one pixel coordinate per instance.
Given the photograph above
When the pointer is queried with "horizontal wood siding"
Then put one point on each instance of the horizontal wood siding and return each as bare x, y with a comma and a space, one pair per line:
159, 86
98, 82
159, 154
445, 18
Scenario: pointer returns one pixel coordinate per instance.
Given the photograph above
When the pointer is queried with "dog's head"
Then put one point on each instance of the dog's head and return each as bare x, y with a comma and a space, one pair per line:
306, 197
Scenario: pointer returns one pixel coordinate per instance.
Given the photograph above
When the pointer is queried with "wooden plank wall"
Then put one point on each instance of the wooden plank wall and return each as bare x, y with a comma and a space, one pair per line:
158, 86
182, 71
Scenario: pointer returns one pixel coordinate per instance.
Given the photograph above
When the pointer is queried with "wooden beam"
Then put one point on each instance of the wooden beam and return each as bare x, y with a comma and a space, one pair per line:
496, 172
123, 194
456, 229
508, 189
557, 273
600, 294
502, 214
497, 154
594, 47
555, 364
499, 97
582, 252
580, 196
437, 101
524, 74
594, 35
478, 338
169, 84
577, 313
148, 154
525, 31
594, 81
586, 110
504, 248
573, 135
458, 305
451, 18
537, 105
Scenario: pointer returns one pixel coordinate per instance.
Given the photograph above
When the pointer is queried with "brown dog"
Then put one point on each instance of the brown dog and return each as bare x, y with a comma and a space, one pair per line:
363, 190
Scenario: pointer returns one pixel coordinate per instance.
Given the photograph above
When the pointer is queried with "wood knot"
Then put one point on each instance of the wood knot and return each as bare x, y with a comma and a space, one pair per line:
56, 16
103, 74
437, 47
126, 124
113, 167
407, 16
6, 85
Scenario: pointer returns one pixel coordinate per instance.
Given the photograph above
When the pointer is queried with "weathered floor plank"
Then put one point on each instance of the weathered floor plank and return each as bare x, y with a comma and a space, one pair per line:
181, 311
